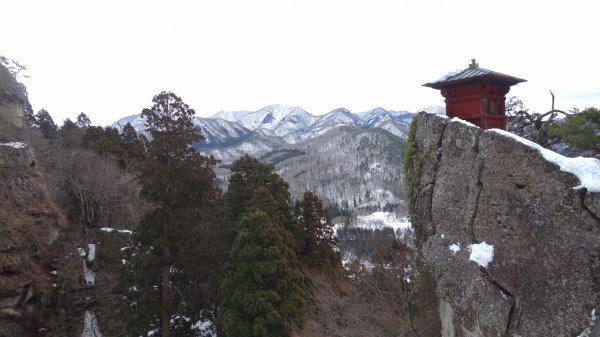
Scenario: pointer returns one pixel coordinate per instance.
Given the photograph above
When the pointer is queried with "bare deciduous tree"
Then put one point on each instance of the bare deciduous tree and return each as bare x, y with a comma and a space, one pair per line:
533, 126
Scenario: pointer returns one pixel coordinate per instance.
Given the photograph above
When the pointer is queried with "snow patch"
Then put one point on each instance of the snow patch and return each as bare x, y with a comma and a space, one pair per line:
81, 251
90, 325
587, 170
110, 230
379, 220
16, 145
91, 252
88, 275
481, 253
462, 121
348, 258
455, 248
205, 328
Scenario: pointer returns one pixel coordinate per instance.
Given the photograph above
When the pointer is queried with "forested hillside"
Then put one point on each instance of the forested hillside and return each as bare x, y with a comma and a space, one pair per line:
149, 245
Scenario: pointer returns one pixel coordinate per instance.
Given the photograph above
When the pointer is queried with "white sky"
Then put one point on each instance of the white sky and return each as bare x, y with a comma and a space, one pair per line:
108, 58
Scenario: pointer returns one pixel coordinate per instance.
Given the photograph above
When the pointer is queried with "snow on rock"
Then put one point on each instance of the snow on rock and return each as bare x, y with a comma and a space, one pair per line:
91, 252
90, 325
481, 253
81, 251
88, 275
454, 248
586, 169
16, 145
462, 121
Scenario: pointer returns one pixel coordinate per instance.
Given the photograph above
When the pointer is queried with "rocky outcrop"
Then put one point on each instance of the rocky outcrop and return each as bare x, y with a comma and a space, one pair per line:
514, 244
11, 105
16, 155
29, 228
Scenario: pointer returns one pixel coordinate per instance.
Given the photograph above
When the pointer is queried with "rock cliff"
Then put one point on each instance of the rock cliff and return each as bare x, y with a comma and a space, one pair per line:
29, 230
11, 105
513, 240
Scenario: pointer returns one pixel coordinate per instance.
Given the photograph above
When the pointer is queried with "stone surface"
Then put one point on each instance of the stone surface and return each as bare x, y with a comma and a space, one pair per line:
29, 241
21, 156
544, 278
11, 105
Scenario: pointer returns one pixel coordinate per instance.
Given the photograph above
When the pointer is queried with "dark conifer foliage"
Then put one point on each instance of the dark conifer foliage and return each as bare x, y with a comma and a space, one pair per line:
247, 175
83, 121
179, 182
580, 131
46, 124
133, 143
263, 292
316, 236
105, 141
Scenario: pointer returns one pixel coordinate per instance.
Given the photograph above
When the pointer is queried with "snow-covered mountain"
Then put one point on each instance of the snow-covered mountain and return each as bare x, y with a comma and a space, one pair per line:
229, 134
219, 132
281, 119
348, 159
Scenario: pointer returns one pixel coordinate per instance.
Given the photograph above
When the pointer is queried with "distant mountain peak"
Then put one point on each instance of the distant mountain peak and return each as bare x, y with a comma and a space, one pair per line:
232, 133
434, 109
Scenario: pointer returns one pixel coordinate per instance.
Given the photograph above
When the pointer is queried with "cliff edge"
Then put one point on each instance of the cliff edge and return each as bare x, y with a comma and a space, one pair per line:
511, 231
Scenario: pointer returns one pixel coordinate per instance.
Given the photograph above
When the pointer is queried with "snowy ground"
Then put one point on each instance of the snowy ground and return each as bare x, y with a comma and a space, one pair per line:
380, 220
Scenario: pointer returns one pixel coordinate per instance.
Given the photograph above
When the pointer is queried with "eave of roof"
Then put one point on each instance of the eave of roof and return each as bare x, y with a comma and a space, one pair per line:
473, 73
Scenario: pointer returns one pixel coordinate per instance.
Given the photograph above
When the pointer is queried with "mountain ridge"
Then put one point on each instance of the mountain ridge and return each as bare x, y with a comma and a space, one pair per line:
229, 134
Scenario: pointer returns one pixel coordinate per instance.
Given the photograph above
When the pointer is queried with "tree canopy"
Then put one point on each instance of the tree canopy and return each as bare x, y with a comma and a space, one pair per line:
179, 182
581, 132
264, 289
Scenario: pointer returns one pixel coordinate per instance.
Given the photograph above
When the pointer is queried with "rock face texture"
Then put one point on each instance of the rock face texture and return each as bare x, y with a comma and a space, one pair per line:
30, 226
11, 105
469, 186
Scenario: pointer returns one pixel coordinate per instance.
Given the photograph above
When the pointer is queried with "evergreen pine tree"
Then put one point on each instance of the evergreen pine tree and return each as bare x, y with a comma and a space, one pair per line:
263, 288
104, 141
132, 142
46, 124
316, 235
263, 292
83, 121
580, 131
247, 175
179, 181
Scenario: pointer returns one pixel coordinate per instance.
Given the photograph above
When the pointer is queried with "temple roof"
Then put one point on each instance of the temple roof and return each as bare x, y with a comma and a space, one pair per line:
473, 72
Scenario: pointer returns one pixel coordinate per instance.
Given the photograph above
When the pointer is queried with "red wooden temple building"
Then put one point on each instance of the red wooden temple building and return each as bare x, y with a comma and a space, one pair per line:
476, 95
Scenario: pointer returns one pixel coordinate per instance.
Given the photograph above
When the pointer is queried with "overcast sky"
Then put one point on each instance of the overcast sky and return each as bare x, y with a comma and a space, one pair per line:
109, 58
